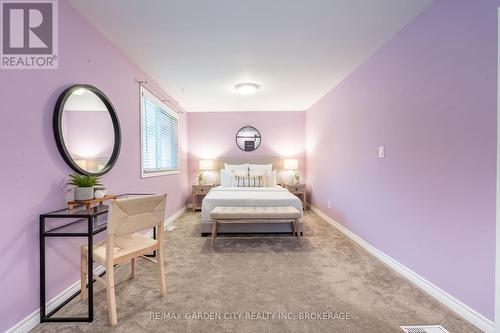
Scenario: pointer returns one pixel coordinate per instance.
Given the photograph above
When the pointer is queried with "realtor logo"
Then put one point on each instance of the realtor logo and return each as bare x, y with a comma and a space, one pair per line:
29, 34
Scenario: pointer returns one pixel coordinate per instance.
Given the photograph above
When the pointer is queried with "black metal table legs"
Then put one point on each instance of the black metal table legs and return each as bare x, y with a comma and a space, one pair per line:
91, 220
48, 317
90, 269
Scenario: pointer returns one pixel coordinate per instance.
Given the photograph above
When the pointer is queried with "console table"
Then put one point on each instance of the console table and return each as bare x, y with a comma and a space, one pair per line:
83, 223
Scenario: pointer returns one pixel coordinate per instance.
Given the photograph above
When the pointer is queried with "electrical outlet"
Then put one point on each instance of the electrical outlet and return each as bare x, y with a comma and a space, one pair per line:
381, 152
329, 204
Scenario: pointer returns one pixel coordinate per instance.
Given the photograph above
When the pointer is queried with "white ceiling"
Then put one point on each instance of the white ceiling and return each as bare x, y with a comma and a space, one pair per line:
296, 50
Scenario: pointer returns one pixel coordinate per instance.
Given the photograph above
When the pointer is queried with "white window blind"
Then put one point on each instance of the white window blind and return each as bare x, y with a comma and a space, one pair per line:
160, 144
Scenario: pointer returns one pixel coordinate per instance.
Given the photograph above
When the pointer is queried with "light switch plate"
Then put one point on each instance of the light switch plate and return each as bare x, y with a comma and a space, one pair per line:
381, 152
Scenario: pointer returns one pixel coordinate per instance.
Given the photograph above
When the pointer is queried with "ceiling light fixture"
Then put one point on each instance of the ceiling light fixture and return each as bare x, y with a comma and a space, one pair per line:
247, 88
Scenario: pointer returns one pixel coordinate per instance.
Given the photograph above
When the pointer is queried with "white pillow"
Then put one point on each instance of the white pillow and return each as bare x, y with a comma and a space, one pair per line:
231, 167
263, 167
271, 178
257, 173
226, 179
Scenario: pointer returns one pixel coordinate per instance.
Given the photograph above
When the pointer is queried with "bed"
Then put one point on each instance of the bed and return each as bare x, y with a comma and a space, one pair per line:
222, 196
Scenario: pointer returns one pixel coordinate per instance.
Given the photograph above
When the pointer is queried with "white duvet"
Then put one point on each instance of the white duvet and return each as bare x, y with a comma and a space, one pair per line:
247, 197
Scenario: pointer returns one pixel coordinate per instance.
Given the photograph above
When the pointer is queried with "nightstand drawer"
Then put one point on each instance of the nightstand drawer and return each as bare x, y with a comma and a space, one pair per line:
201, 189
296, 188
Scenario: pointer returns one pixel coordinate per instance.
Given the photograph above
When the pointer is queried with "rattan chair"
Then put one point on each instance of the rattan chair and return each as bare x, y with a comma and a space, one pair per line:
126, 217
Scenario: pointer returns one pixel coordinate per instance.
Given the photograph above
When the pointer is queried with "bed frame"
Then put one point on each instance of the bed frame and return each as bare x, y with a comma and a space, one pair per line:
254, 228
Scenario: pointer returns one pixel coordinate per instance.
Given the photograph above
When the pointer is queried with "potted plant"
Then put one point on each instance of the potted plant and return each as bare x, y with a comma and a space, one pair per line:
296, 177
84, 186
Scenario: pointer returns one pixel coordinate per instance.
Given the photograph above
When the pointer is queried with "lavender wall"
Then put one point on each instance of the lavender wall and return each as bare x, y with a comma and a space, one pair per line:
212, 135
429, 96
33, 174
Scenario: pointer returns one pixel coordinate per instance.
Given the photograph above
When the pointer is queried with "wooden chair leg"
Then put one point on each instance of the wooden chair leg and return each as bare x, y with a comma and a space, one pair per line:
83, 275
160, 262
132, 268
214, 233
297, 227
110, 289
161, 272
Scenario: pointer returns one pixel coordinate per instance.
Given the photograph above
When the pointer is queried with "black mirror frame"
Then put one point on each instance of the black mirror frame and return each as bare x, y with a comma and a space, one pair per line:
259, 136
56, 125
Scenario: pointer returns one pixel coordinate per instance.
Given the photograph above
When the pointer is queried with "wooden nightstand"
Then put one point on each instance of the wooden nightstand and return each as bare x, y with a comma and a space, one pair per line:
199, 192
299, 190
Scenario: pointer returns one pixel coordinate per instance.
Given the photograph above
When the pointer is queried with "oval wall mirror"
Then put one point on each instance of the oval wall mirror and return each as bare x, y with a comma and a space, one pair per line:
87, 130
248, 138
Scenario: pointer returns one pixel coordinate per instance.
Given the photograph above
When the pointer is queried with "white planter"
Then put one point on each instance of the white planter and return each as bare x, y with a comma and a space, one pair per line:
84, 193
99, 194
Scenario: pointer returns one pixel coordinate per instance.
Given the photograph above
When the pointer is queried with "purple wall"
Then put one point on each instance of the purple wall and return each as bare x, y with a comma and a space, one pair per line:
33, 174
212, 135
429, 96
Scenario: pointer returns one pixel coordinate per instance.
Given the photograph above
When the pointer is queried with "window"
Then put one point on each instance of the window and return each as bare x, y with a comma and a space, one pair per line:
159, 137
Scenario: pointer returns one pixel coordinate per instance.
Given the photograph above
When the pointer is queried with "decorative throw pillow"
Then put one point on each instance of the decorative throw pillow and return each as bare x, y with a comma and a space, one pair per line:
257, 178
240, 178
256, 181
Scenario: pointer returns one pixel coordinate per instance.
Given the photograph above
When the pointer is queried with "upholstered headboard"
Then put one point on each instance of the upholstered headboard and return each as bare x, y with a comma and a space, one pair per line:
277, 162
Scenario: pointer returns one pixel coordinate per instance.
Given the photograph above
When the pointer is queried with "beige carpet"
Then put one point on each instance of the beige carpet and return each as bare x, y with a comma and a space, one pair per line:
258, 277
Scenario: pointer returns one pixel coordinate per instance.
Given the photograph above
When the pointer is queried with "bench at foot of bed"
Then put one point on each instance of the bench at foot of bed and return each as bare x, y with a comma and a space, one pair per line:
289, 215
207, 234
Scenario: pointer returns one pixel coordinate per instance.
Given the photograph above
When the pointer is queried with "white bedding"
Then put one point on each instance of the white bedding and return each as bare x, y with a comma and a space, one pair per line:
276, 196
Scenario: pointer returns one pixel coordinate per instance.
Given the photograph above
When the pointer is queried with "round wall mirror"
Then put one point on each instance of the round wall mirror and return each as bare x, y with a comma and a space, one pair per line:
87, 130
248, 138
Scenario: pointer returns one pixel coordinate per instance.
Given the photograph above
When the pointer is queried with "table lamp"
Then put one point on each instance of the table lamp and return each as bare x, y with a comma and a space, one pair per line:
204, 165
292, 164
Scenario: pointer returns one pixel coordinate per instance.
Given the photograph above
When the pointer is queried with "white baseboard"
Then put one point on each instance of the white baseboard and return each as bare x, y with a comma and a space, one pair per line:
454, 304
32, 320
169, 221
174, 217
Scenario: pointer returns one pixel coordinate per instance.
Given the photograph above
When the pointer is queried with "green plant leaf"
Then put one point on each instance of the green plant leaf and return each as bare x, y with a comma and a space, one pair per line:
83, 180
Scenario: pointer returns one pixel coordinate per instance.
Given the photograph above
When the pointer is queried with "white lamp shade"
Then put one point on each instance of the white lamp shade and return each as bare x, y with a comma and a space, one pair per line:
206, 165
291, 164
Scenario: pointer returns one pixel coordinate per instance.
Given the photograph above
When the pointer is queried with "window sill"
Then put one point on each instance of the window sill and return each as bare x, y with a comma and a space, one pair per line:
159, 173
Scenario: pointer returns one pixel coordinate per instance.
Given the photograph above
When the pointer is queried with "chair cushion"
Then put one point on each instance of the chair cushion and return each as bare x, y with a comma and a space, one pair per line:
234, 213
123, 246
